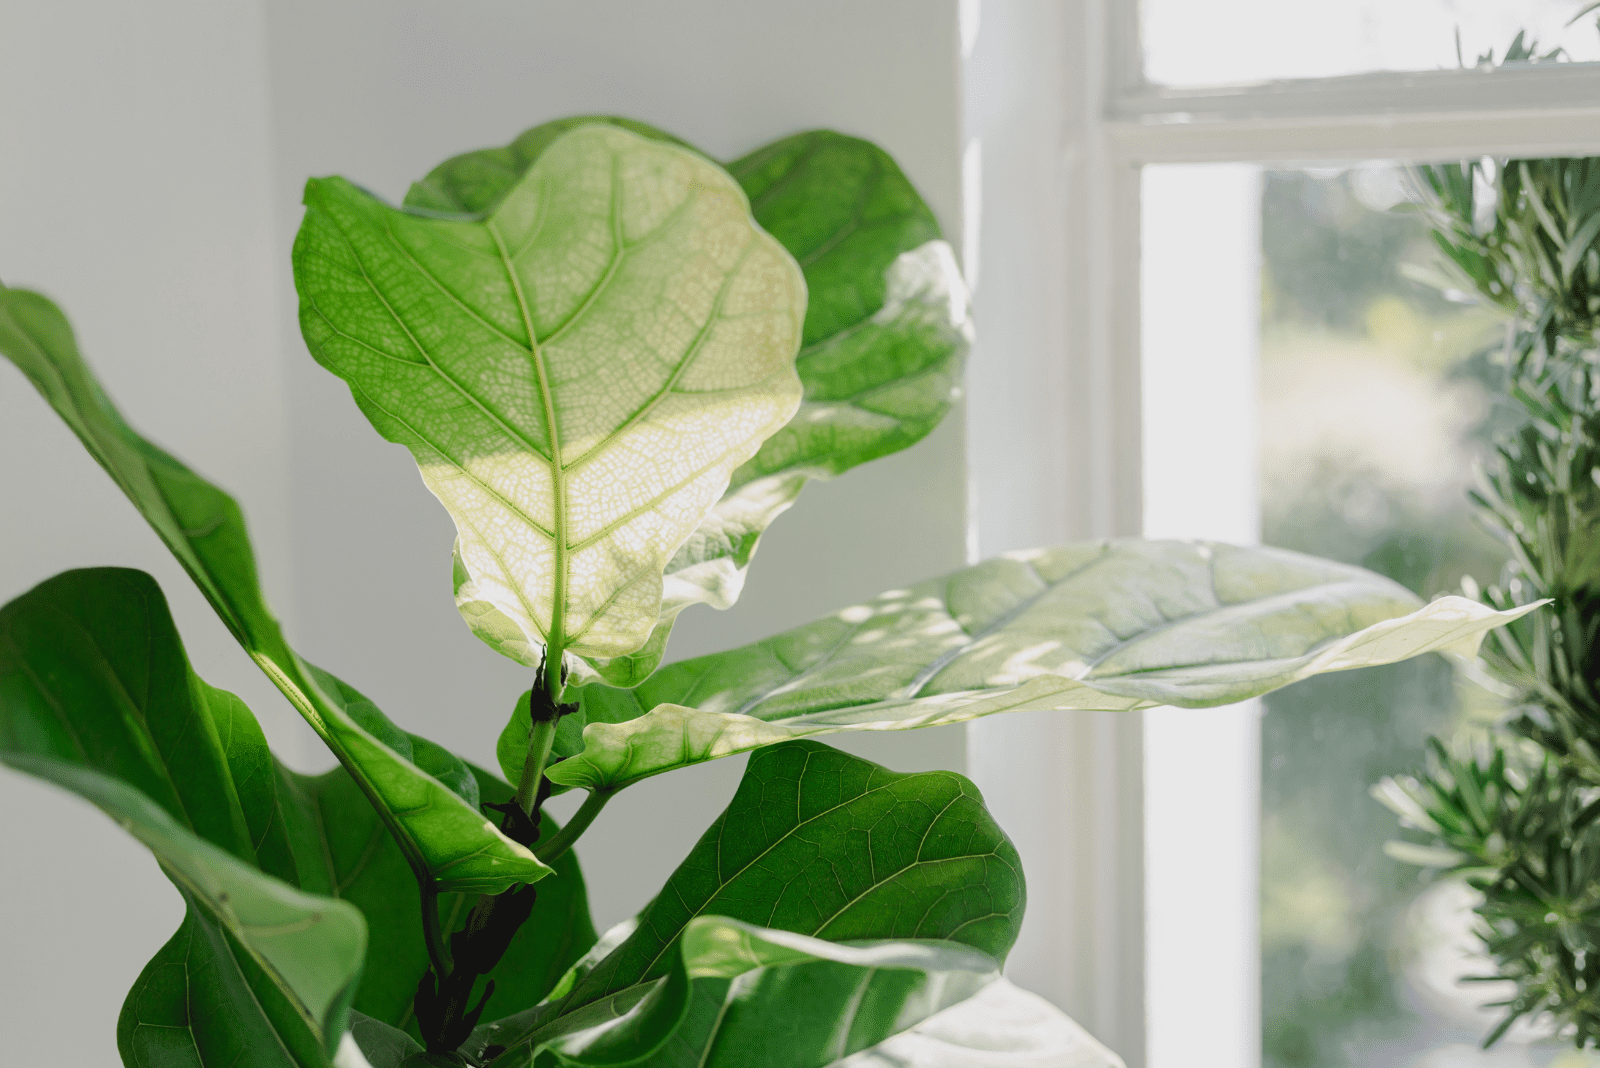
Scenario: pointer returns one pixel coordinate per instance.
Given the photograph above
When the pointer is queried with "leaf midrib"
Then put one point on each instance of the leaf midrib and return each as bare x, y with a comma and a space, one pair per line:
787, 834
505, 427
927, 674
290, 994
722, 882
1177, 621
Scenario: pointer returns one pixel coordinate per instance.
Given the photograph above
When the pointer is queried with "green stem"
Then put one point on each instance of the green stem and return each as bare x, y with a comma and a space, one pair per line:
575, 827
553, 683
540, 739
432, 934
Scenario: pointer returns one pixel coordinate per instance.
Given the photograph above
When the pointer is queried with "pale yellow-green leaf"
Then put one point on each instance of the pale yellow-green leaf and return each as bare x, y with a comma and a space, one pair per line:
577, 372
1001, 1026
1112, 626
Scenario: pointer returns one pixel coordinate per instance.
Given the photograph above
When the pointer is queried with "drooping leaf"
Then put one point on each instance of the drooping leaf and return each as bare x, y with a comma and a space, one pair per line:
93, 676
1109, 626
825, 846
442, 832
886, 332
256, 962
577, 372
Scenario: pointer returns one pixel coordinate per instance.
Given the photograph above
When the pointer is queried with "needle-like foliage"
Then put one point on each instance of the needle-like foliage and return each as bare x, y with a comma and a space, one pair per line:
1520, 819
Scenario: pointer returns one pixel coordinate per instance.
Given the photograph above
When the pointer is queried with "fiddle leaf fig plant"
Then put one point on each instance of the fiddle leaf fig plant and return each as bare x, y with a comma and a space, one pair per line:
616, 362
578, 371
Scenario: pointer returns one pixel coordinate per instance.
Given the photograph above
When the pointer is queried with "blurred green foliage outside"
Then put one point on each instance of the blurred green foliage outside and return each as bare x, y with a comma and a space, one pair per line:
1374, 395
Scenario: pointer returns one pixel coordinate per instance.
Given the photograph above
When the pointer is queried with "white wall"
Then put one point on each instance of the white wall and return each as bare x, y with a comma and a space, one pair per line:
134, 183
154, 155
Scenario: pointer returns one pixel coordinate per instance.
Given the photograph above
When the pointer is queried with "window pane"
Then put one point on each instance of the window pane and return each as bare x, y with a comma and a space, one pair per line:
1231, 41
1374, 393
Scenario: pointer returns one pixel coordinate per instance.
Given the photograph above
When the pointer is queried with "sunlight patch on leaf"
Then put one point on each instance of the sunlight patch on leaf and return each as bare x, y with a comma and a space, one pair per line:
1111, 626
577, 373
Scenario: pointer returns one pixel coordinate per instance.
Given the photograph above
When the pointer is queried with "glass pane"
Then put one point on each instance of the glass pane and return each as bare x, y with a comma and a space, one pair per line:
1374, 396
1232, 41
1294, 375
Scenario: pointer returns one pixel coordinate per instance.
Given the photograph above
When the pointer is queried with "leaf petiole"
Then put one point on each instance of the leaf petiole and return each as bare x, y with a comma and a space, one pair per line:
540, 739
569, 834
432, 933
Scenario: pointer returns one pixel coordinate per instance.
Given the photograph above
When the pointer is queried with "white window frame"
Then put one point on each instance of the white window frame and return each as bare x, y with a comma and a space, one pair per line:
1059, 120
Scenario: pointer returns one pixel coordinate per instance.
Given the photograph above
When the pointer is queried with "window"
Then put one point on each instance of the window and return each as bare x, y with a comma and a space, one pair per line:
1143, 413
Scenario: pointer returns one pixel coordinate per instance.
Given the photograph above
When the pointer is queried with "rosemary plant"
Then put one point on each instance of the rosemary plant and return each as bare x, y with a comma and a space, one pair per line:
1519, 817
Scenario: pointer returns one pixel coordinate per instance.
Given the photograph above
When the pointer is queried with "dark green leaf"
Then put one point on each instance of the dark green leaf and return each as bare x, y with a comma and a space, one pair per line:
284, 962
203, 1002
736, 994
381, 1046
823, 845
442, 833
92, 675
367, 869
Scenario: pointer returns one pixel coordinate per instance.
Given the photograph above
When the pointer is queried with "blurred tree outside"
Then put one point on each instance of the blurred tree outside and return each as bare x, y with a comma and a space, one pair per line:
1375, 396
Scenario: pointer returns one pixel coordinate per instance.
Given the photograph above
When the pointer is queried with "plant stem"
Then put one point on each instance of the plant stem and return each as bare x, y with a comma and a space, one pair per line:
554, 682
575, 827
432, 934
540, 739
443, 1003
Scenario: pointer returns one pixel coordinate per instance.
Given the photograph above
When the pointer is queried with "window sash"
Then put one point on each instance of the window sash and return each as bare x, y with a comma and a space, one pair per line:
1070, 76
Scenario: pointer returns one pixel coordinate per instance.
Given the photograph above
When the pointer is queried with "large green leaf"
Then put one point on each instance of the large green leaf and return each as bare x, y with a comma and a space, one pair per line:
827, 847
475, 182
1110, 626
577, 372
92, 674
737, 994
379, 1045
260, 973
886, 336
886, 331
442, 833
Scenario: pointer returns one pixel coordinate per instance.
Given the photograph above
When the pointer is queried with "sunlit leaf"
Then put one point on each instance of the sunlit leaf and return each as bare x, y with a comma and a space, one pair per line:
577, 372
441, 832
1106, 626
820, 847
886, 333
